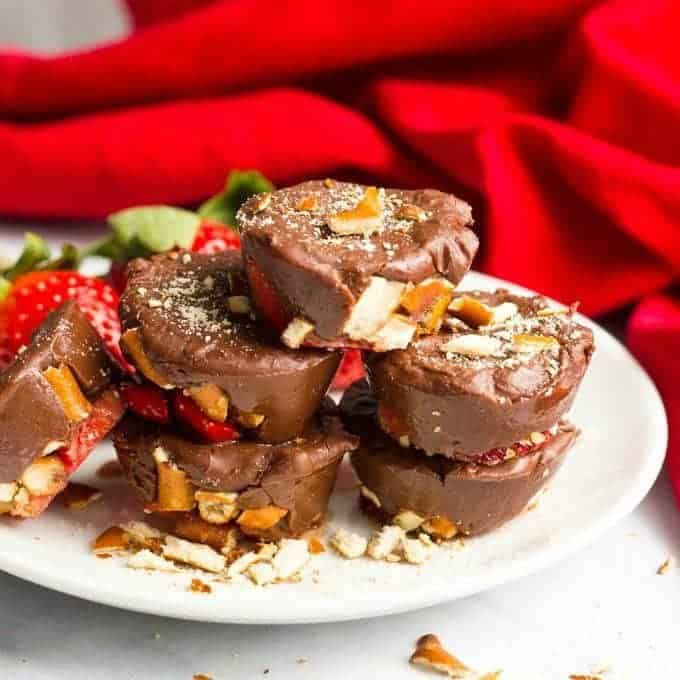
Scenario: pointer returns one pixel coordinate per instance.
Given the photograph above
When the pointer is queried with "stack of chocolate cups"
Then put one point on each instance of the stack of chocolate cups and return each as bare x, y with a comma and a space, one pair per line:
237, 437
461, 423
468, 423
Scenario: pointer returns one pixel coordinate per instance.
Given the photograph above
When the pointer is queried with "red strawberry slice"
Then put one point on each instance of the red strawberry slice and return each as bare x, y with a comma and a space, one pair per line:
6, 354
188, 412
147, 401
33, 296
265, 297
350, 370
107, 410
517, 450
214, 237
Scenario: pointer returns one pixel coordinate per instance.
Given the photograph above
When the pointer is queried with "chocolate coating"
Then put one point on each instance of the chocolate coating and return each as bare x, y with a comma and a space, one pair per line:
320, 275
459, 406
31, 416
477, 498
179, 304
298, 475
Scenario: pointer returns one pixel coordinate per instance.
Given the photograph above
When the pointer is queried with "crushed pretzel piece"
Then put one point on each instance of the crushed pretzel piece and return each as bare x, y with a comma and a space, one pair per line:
349, 545
665, 566
408, 520
194, 554
430, 653
523, 342
241, 564
198, 586
113, 539
78, 496
316, 546
290, 558
365, 218
261, 573
385, 542
145, 559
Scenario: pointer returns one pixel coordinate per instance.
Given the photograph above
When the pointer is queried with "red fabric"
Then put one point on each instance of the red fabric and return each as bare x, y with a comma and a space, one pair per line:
148, 12
654, 336
557, 119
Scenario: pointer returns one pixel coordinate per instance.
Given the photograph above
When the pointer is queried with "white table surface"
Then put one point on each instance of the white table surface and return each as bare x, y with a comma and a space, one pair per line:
604, 608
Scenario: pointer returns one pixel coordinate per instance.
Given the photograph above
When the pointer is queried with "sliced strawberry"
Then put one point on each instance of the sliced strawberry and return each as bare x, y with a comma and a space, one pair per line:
265, 297
517, 450
214, 237
147, 401
6, 354
107, 410
189, 413
33, 296
350, 370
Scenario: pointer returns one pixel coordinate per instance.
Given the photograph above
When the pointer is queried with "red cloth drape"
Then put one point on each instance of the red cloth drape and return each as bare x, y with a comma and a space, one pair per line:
559, 120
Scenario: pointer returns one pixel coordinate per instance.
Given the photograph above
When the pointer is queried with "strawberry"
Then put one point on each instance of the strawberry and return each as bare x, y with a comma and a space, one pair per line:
147, 401
33, 296
6, 354
350, 370
214, 237
265, 297
517, 450
189, 413
107, 410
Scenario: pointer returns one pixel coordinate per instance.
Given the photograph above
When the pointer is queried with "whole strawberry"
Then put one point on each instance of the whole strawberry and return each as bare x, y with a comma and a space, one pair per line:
214, 237
34, 295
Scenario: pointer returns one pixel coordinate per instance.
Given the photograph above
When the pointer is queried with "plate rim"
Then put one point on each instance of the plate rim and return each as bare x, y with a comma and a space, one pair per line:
416, 599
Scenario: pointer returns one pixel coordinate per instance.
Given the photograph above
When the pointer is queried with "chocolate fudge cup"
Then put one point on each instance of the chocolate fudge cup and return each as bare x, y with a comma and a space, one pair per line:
437, 495
268, 490
503, 371
334, 264
55, 406
187, 323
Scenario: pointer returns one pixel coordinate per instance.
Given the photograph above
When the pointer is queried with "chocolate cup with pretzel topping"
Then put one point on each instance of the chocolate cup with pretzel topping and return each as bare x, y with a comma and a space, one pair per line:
473, 388
56, 404
187, 324
473, 498
296, 477
338, 256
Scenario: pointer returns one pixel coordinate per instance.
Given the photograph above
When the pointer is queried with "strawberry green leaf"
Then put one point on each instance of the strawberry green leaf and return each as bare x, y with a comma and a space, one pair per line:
35, 252
5, 287
68, 258
241, 185
142, 230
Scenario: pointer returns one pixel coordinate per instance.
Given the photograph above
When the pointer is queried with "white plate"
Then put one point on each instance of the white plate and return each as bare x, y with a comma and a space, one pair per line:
604, 477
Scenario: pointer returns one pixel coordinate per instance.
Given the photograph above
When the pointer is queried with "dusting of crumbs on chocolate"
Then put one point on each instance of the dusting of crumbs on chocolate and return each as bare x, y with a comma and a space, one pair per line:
197, 302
